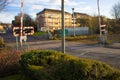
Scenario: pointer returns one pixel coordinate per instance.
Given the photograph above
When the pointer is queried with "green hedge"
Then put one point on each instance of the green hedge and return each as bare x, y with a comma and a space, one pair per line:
39, 33
53, 65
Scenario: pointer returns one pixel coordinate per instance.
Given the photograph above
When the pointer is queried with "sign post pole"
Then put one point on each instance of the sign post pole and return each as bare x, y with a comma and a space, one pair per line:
73, 20
17, 42
21, 26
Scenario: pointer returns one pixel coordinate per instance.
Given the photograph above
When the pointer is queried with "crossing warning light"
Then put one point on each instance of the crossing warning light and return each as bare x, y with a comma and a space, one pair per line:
103, 29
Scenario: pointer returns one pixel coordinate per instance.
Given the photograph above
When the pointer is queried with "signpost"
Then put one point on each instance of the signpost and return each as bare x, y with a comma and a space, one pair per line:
99, 19
25, 31
102, 29
21, 26
21, 30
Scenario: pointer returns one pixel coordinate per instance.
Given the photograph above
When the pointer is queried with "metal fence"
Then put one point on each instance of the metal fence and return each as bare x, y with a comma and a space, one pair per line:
114, 38
78, 31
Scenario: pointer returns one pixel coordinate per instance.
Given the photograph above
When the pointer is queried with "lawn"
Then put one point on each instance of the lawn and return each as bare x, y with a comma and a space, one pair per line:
39, 33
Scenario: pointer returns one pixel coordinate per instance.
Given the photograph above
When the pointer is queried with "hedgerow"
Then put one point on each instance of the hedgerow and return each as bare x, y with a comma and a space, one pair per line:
53, 65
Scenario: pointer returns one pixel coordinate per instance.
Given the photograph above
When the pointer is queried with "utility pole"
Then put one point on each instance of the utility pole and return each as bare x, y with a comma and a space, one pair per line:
63, 28
73, 19
21, 22
99, 19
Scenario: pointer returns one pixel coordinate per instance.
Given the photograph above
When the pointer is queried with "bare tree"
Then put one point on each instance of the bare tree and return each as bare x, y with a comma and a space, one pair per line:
116, 11
3, 3
116, 21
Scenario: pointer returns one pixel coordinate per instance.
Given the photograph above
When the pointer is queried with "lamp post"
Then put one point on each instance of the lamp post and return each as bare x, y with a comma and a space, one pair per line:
63, 28
73, 19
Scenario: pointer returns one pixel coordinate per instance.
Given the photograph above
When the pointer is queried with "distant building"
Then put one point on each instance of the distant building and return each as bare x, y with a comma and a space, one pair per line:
5, 25
1, 27
50, 19
80, 16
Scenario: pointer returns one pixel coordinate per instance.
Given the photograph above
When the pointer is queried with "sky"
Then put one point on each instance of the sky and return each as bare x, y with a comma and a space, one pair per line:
32, 7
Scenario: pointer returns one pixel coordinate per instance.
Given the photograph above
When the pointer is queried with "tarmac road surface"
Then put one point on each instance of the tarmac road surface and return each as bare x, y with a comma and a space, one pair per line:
97, 52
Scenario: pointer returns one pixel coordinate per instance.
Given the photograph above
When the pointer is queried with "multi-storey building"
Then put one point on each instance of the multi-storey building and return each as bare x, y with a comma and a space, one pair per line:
80, 16
50, 19
1, 27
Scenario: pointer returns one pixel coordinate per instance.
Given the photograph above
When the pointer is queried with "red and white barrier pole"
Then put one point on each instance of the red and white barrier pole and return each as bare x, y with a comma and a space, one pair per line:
21, 23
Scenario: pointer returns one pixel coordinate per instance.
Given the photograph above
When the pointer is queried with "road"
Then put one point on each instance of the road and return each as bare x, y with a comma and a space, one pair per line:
97, 52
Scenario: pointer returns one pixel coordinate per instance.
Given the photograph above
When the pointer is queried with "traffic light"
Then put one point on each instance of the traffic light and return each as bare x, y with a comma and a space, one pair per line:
103, 29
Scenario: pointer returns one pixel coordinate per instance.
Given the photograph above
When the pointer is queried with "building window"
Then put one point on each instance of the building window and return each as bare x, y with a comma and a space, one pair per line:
56, 23
49, 19
50, 24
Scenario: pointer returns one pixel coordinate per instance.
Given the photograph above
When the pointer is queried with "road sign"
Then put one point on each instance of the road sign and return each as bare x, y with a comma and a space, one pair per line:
16, 31
24, 38
26, 31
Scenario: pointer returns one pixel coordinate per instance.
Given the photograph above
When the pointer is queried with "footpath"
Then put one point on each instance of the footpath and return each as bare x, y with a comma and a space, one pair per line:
114, 45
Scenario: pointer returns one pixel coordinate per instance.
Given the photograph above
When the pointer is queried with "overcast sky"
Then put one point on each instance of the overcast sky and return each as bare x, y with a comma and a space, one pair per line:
32, 7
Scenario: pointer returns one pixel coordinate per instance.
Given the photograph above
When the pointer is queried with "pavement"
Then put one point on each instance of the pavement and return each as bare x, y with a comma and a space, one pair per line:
114, 46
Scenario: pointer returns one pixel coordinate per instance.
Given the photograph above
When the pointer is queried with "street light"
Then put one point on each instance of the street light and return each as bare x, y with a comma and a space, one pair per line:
73, 19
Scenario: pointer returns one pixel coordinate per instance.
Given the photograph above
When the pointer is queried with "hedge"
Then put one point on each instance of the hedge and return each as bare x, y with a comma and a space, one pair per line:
53, 65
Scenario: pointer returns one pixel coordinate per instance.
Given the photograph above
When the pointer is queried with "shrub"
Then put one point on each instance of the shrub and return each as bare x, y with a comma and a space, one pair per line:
53, 65
39, 33
15, 77
9, 62
1, 41
82, 37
